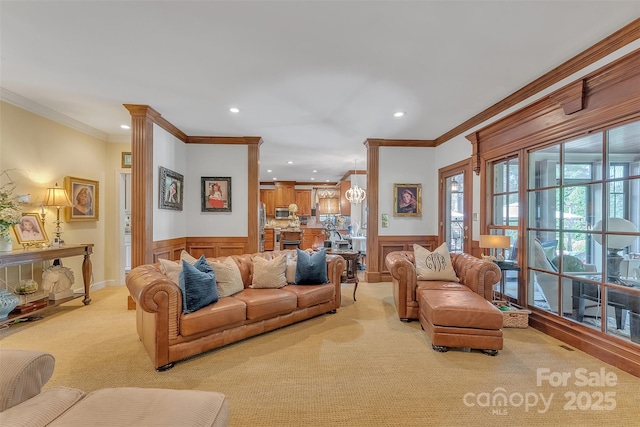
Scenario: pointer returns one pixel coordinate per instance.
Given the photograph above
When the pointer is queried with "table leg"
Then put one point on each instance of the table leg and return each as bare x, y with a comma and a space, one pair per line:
86, 277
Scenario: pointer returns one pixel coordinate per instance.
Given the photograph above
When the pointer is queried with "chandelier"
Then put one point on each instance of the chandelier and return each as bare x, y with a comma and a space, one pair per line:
355, 194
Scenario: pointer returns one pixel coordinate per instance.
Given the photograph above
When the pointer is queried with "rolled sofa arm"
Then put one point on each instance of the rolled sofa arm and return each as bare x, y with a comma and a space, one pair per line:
401, 265
22, 375
476, 274
149, 286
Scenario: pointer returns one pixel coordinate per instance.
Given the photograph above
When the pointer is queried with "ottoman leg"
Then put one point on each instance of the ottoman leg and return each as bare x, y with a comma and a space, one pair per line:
490, 352
440, 348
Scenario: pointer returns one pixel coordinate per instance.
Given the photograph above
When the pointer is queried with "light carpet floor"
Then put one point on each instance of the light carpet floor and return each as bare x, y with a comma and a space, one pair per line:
358, 367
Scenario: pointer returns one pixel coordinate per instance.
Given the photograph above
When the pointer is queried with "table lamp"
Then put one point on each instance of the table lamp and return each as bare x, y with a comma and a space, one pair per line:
493, 242
615, 243
57, 197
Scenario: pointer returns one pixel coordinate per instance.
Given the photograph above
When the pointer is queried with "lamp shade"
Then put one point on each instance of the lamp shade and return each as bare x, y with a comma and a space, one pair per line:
57, 197
616, 241
494, 241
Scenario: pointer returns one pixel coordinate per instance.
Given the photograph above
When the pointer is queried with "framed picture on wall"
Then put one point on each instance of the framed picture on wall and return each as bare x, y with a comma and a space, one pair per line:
84, 195
29, 230
215, 193
126, 159
171, 190
407, 199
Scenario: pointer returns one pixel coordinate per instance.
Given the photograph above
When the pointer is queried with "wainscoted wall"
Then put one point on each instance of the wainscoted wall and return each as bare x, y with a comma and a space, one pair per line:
386, 244
211, 247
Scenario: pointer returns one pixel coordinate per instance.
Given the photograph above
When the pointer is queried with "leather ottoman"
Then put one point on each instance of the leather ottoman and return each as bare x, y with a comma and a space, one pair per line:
454, 318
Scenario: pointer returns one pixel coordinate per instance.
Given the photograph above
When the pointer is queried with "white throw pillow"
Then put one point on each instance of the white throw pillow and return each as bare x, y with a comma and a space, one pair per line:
434, 265
228, 277
292, 260
172, 269
268, 274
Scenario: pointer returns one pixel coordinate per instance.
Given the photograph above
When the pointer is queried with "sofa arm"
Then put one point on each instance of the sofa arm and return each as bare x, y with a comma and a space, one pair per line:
22, 375
476, 274
401, 265
335, 266
149, 287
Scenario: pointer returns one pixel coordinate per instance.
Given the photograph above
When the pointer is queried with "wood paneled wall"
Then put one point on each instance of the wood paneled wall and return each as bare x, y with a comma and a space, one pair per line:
387, 244
210, 247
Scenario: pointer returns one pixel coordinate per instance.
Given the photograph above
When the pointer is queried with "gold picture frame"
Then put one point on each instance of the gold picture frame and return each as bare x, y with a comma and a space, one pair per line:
407, 200
29, 231
126, 159
84, 195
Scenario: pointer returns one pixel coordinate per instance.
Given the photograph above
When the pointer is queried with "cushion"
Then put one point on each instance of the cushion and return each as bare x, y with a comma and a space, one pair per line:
540, 260
311, 268
434, 265
172, 268
569, 263
198, 285
228, 277
290, 272
269, 273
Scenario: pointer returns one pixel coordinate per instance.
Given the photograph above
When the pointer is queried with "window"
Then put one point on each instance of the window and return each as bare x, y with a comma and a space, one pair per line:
505, 175
584, 215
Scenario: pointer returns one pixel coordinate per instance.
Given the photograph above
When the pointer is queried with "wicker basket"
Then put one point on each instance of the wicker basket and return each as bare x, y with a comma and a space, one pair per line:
514, 318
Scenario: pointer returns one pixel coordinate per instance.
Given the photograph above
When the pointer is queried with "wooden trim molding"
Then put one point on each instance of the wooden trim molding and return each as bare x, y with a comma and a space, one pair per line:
607, 97
373, 167
571, 97
615, 41
425, 143
143, 249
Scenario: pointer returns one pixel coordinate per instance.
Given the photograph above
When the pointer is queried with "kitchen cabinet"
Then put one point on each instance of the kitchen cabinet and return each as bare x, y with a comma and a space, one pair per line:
303, 200
312, 238
345, 205
285, 193
268, 239
268, 197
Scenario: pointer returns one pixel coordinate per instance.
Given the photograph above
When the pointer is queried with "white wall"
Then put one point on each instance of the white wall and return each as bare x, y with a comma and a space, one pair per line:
408, 165
204, 160
171, 153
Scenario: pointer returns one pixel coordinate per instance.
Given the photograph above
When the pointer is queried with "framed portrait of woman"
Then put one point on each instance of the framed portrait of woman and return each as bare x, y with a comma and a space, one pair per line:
407, 200
215, 194
84, 196
171, 189
29, 230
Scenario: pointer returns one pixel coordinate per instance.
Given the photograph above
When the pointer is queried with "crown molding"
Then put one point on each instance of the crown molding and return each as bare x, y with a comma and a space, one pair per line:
46, 112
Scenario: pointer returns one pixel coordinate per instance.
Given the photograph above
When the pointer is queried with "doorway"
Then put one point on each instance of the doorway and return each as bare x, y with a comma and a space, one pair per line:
123, 216
455, 206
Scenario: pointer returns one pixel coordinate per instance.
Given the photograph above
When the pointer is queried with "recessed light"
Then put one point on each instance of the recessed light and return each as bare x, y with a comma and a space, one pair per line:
234, 110
398, 114
313, 179
315, 171
327, 180
269, 170
290, 162
125, 126
274, 178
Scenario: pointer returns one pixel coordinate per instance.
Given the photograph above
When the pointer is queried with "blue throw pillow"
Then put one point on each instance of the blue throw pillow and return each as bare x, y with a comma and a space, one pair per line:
198, 285
311, 269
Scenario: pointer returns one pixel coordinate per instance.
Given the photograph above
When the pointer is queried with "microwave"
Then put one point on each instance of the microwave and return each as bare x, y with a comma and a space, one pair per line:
282, 213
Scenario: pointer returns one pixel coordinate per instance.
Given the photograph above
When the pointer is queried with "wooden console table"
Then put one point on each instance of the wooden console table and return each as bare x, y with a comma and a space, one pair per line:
29, 256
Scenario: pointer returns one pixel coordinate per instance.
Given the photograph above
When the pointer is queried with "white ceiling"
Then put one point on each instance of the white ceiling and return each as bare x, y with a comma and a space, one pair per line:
314, 79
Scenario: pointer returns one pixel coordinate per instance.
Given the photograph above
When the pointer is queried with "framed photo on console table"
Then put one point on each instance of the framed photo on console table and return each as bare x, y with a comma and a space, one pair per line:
171, 190
84, 198
215, 194
407, 199
29, 230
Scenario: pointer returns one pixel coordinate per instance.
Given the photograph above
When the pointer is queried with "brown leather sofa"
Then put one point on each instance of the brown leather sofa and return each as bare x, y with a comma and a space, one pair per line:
169, 335
453, 314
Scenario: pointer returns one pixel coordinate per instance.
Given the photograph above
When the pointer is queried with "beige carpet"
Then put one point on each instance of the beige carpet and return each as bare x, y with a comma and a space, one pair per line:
359, 367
